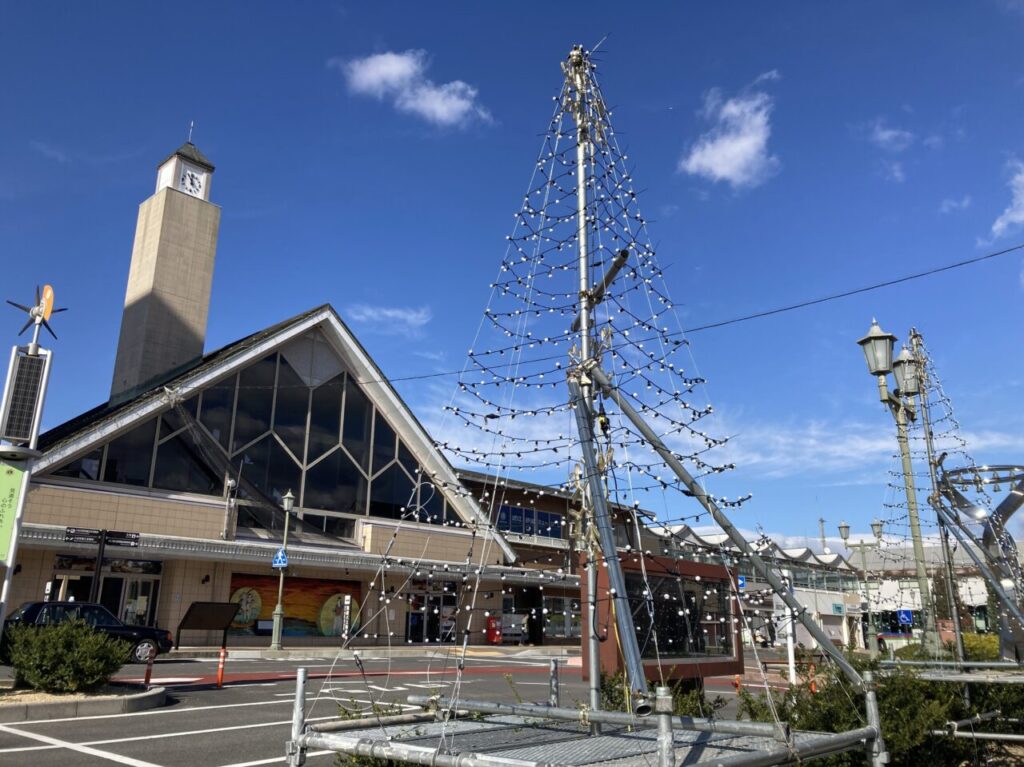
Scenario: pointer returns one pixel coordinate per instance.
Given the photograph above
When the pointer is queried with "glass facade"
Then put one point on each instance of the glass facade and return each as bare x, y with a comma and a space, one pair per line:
294, 420
680, 616
516, 519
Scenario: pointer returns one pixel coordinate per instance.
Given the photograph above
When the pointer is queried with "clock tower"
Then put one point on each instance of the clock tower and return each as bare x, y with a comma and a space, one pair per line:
163, 327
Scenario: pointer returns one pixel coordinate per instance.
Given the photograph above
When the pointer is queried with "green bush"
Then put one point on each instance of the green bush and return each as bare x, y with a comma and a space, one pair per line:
686, 701
980, 647
67, 657
909, 708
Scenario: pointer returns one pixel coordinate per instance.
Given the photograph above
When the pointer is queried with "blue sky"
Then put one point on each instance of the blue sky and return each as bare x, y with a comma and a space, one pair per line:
783, 152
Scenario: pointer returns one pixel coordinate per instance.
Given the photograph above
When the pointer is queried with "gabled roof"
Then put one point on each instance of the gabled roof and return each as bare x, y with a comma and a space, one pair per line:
83, 433
189, 151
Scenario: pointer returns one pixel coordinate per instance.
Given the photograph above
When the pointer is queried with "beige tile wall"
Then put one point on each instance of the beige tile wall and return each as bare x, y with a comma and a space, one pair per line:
79, 507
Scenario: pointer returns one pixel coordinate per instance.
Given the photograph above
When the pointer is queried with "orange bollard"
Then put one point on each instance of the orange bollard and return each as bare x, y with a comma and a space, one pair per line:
149, 666
220, 667
813, 683
737, 683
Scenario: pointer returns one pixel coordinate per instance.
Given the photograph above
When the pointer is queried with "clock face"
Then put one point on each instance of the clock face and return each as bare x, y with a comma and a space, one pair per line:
191, 182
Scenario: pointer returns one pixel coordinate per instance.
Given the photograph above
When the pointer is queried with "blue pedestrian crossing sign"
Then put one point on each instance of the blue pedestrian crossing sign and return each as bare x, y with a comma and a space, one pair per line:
280, 560
905, 617
741, 582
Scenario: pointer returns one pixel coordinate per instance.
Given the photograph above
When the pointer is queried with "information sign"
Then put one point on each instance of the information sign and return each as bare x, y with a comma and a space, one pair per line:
905, 617
10, 490
81, 535
741, 582
280, 560
118, 538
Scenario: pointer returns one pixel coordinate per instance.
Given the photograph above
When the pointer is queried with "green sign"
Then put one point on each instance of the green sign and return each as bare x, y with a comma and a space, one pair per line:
10, 491
837, 608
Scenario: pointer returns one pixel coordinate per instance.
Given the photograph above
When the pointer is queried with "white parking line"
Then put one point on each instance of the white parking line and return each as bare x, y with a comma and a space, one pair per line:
81, 749
276, 759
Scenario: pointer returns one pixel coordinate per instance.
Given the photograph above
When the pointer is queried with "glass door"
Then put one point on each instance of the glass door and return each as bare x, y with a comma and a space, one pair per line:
140, 596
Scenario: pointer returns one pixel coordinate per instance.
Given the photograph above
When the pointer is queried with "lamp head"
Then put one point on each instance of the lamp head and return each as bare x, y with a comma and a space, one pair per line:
877, 347
288, 501
844, 531
876, 528
907, 372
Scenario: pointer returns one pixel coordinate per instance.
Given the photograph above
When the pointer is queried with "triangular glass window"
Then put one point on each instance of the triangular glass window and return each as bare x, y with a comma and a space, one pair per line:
180, 466
255, 401
291, 409
129, 456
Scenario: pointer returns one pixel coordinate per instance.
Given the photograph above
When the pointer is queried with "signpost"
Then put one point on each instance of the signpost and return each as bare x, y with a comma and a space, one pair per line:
741, 582
905, 617
101, 538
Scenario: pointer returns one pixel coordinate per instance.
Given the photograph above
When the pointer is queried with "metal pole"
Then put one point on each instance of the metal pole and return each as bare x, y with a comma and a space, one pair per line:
952, 590
876, 746
553, 696
762, 729
930, 637
790, 632
278, 628
666, 741
723, 522
94, 587
396, 751
295, 752
576, 73
872, 631
616, 581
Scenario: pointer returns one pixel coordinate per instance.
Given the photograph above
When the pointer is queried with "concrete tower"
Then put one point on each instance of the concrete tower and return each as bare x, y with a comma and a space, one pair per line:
168, 297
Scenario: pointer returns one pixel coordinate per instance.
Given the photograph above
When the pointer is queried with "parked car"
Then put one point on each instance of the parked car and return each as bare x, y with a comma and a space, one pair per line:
143, 639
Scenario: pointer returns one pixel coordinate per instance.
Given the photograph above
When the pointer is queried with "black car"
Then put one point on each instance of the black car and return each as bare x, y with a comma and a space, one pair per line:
142, 638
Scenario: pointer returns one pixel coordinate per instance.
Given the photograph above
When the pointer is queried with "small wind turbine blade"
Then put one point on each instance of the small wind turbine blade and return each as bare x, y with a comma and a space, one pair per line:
18, 306
62, 309
26, 326
37, 295
47, 326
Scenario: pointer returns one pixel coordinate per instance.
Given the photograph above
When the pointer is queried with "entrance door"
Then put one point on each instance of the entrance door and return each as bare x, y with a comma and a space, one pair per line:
139, 607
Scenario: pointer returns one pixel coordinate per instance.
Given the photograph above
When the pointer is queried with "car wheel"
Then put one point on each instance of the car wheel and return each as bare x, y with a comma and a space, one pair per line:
141, 652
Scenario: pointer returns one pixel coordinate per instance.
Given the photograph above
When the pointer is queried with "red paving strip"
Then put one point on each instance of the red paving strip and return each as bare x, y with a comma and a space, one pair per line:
264, 676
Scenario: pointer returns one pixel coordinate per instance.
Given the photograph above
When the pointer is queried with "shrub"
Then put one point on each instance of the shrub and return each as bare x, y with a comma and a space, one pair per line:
686, 701
67, 657
980, 647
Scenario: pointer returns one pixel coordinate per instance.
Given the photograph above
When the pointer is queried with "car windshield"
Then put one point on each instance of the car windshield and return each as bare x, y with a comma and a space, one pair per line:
18, 612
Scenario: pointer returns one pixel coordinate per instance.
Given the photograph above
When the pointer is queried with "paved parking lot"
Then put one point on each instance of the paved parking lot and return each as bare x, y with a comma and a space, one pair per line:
248, 721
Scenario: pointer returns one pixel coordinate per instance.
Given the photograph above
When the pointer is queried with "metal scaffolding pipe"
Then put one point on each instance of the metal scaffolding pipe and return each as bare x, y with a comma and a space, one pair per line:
723, 521
970, 721
820, 746
996, 664
405, 752
760, 729
359, 723
1009, 737
616, 580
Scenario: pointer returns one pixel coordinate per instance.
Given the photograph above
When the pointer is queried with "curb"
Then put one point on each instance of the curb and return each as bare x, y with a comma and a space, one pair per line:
120, 704
418, 651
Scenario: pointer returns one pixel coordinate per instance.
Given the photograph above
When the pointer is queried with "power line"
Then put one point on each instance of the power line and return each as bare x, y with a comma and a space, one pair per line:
772, 312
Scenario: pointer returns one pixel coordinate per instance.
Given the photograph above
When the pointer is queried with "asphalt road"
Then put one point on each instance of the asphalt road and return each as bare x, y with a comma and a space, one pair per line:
247, 722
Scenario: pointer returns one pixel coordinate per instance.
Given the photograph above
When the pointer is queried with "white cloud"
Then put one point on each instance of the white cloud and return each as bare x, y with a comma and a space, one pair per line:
949, 205
390, 320
735, 149
401, 78
892, 170
888, 138
51, 152
934, 141
1013, 216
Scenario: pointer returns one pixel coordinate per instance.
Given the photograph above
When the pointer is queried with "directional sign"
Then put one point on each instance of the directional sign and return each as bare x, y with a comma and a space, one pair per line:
905, 617
81, 535
280, 560
117, 538
741, 582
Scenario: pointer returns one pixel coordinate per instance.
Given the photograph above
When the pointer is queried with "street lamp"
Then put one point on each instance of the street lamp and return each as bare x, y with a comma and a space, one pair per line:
275, 639
844, 533
877, 346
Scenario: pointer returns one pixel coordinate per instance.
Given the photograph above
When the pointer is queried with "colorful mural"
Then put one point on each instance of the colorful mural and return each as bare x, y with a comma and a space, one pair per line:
312, 607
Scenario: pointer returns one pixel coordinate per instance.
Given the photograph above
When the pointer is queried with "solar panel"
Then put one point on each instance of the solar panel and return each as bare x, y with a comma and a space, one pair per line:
22, 398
